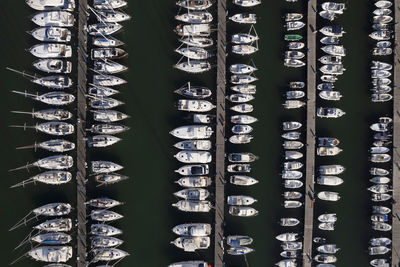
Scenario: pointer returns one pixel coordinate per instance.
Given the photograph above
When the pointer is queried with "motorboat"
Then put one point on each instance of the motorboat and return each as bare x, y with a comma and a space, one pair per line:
382, 19
57, 238
295, 94
189, 264
287, 237
244, 88
186, 30
328, 196
193, 194
101, 166
53, 209
328, 78
51, 50
294, 63
330, 59
244, 18
382, 136
195, 169
238, 240
380, 241
379, 250
68, 5
382, 12
384, 44
327, 15
199, 92
379, 188
379, 158
194, 4
51, 34
244, 49
378, 171
332, 31
329, 180
243, 38
334, 50
379, 127
328, 151
378, 65
107, 254
102, 140
289, 222
240, 200
193, 205
108, 128
242, 157
380, 27
54, 18
382, 51
380, 180
292, 135
330, 95
330, 40
381, 97
104, 230
238, 251
109, 4
291, 246
193, 52
337, 8
381, 81
289, 195
53, 177
195, 17
327, 217
330, 112
105, 241
292, 184
296, 45
241, 69
48, 114
379, 263
51, 253
243, 119
54, 81
292, 165
193, 66
291, 125
53, 65
242, 79
108, 67
242, 180
247, 3
381, 35
293, 37
194, 145
242, 211
55, 225
110, 41
380, 218
331, 169
382, 89
105, 215
192, 132
103, 202
112, 16
240, 98
194, 105
235, 168
381, 209
332, 69
292, 104
288, 254
328, 249
292, 204
242, 108
293, 16
103, 29
325, 258
197, 41
192, 229
288, 144
326, 226
194, 181
380, 197
294, 25
293, 155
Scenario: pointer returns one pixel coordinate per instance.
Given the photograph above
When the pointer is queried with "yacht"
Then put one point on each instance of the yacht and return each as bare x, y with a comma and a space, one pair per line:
292, 165
187, 156
68, 5
193, 52
193, 194
292, 104
294, 54
325, 259
244, 49
295, 94
294, 63
194, 181
334, 50
292, 204
57, 162
242, 79
53, 65
241, 69
381, 97
329, 78
108, 254
382, 12
331, 169
380, 180
337, 8
379, 158
240, 139
243, 119
288, 144
53, 177
188, 30
328, 141
243, 108
328, 249
55, 225
104, 230
244, 88
327, 217
291, 246
287, 237
108, 67
193, 205
379, 188
237, 251
242, 211
192, 229
379, 127
380, 74
194, 145
101, 91
57, 238
382, 51
108, 115
244, 18
105, 215
199, 92
240, 200
110, 178
332, 31
238, 240
108, 128
292, 135
189, 264
242, 180
380, 218
103, 202
382, 19
380, 263
328, 196
104, 103
195, 105
292, 184
290, 195
195, 17
332, 69
330, 112
378, 171
293, 16
50, 50
49, 114
288, 254
54, 81
53, 209
330, 95
192, 132
51, 253
289, 221
247, 3
193, 66
330, 59
105, 241
286, 263
328, 151
330, 40
286, 174
52, 34
109, 4
242, 157
380, 241
327, 15
296, 45
103, 29
197, 41
198, 169
381, 209
100, 166
106, 42
381, 35
54, 18
240, 98
194, 4
379, 250
102, 140
243, 38
329, 180
294, 25
381, 81
380, 197
112, 16
107, 80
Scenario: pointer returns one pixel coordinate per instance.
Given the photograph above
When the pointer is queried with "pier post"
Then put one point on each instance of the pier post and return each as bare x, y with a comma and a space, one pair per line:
396, 140
220, 137
81, 233
310, 150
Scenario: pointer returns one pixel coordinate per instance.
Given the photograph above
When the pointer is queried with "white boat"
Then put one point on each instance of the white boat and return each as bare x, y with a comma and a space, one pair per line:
244, 88
329, 180
240, 200
243, 119
202, 30
381, 209
287, 263
381, 81
381, 89
295, 94
56, 162
240, 98
296, 45
379, 127
54, 18
289, 221
52, 34
332, 31
382, 51
379, 188
193, 205
381, 226
242, 180
244, 49
328, 151
194, 181
332, 69
243, 38
194, 169
54, 81
289, 195
238, 251
104, 230
379, 218
379, 250
102, 140
379, 158
197, 41
328, 141
293, 16
337, 8
330, 112
103, 202
109, 4
292, 104
381, 97
381, 35
293, 155
292, 165
291, 174
189, 90
195, 17
380, 241
51, 253
112, 16
101, 166
326, 226
327, 15
101, 91
327, 217
104, 242
194, 145
292, 144
193, 194
193, 66
108, 254
329, 40
292, 184
291, 125
325, 259
328, 196
242, 211
240, 138
380, 197
53, 209
241, 69
53, 177
242, 79
247, 3
57, 238
105, 215
107, 80
192, 229
384, 44
189, 264
194, 105
292, 135
103, 29
194, 4
192, 132
238, 240
287, 237
243, 108
328, 78
331, 169
294, 25
244, 18
68, 5
292, 204
380, 180
334, 50
294, 63
379, 263
55, 225
328, 249
104, 103
242, 157
291, 246
106, 42
380, 74
49, 50
294, 54
382, 19
193, 52
330, 95
330, 59
382, 12
53, 65
108, 128
108, 67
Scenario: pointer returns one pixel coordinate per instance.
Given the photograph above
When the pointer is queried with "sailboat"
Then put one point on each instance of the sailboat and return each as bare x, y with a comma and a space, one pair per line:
68, 5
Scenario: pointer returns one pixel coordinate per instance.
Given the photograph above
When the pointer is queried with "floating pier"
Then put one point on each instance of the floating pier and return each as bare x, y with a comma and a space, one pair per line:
220, 137
310, 141
396, 140
81, 236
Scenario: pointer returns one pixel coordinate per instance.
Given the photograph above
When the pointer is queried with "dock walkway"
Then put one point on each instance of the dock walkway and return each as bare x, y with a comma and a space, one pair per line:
310, 153
81, 258
396, 141
220, 137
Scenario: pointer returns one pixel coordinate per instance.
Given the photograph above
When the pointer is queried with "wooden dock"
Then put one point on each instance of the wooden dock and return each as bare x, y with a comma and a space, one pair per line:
396, 141
220, 137
81, 237
310, 151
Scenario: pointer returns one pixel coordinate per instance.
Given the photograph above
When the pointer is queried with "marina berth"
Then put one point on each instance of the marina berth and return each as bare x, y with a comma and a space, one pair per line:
104, 230
289, 174
330, 59
106, 42
293, 37
51, 34
55, 225
332, 69
192, 229
243, 119
328, 249
327, 217
242, 180
108, 53
100, 166
378, 65
381, 209
52, 238
328, 141
379, 263
193, 205
191, 244
244, 18
51, 253
328, 196
327, 15
294, 54
334, 50
109, 4
292, 135
195, 17
244, 88
54, 18
294, 63
381, 35
105, 215
189, 264
53, 65
56, 128
197, 41
380, 180
290, 245
103, 29
293, 155
50, 50
292, 204
286, 263
68, 5
108, 128
240, 200
113, 16
108, 115
380, 241
108, 254
325, 259
194, 181
105, 242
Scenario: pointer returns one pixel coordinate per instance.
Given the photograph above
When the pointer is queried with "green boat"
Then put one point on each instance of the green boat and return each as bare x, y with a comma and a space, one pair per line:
293, 37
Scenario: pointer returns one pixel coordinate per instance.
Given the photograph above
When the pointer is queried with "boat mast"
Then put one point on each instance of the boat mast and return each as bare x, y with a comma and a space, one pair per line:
23, 73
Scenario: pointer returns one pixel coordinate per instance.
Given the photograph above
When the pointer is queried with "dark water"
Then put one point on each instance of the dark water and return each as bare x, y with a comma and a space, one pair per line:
146, 151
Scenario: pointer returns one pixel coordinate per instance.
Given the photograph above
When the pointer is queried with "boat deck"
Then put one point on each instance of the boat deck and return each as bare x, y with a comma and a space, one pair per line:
81, 132
396, 142
220, 137
310, 151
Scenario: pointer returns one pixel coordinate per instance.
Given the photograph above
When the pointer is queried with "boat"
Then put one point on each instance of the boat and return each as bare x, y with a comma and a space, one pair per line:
381, 81
325, 259
380, 197
55, 225
380, 241
379, 127
244, 49
289, 254
241, 69
292, 135
195, 17
292, 144
378, 65
328, 249
244, 88
56, 162
186, 30
101, 166
239, 251
379, 158
107, 254
243, 119
294, 25
239, 168
108, 41
382, 89
382, 51
242, 108
293, 37
295, 94
53, 65
379, 263
292, 195
53, 209
292, 204
293, 155
108, 128
330, 59
194, 105
51, 253
329, 180
287, 237
328, 141
103, 29
54, 18
289, 221
189, 264
107, 80
293, 16
381, 35
327, 15
103, 202
384, 44
381, 97
242, 79
337, 8
54, 81
379, 188
379, 218
57, 238
329, 40
379, 250
68, 5
194, 145
326, 226
51, 34
104, 103
51, 50
334, 50
382, 12
108, 67
243, 38
296, 45
330, 95
101, 91
327, 217
292, 184
247, 3
382, 19
109, 178
291, 246
102, 140
112, 16
193, 205
194, 181
328, 151
381, 209
194, 4
242, 211
240, 200
198, 92
49, 114
242, 180
238, 240
193, 66
192, 229
240, 98
328, 78
193, 194
197, 41
109, 4
330, 112
291, 125
242, 157
292, 165
380, 180
244, 18
292, 104
193, 52
332, 31
52, 177
382, 136
104, 241
105, 215
104, 230
192, 132
294, 63
319, 240
198, 169
380, 27
286, 263
328, 196
332, 69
